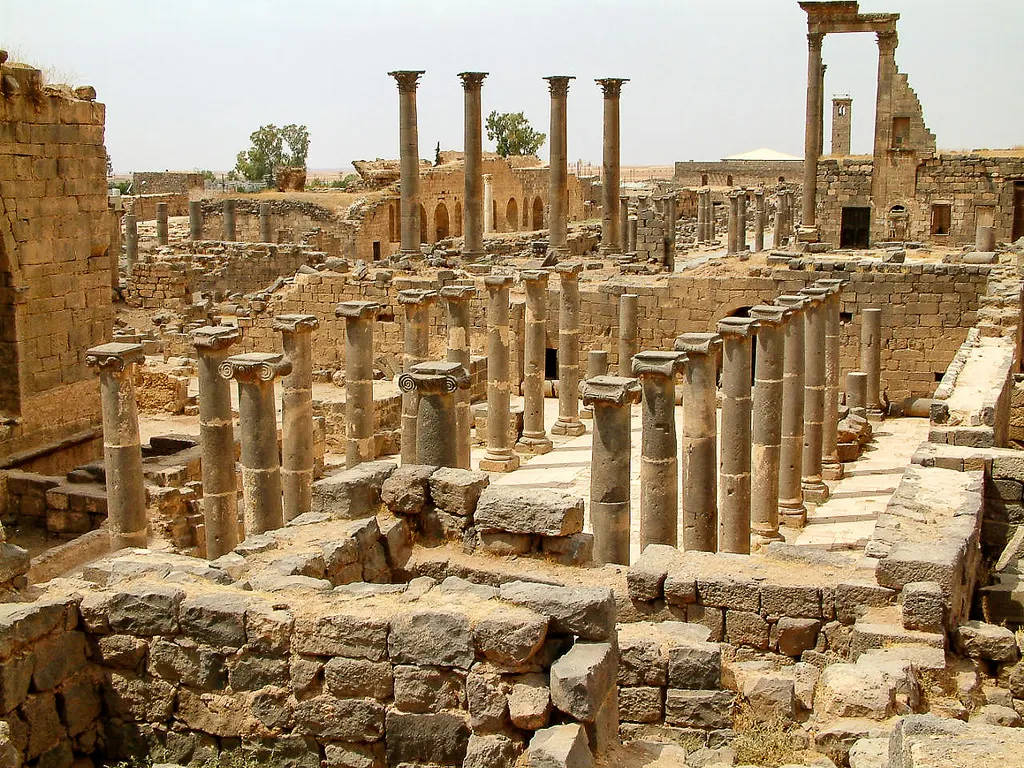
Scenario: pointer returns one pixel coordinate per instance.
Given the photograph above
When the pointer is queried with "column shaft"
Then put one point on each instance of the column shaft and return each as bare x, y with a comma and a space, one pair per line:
629, 312
568, 422
734, 463
499, 456
831, 468
701, 216
457, 304
759, 220
161, 223
534, 439
871, 356
624, 217
472, 209
812, 123
131, 240
488, 205
558, 183
434, 384
734, 221
610, 224
791, 500
297, 449
741, 221
409, 160
814, 489
417, 348
766, 437
857, 393
359, 411
195, 219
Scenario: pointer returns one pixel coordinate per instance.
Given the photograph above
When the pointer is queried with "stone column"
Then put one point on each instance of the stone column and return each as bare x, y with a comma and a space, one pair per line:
558, 185
779, 225
297, 413
434, 384
631, 224
131, 239
857, 393
359, 441
712, 224
229, 220
734, 464
409, 159
195, 219
766, 437
887, 72
734, 222
699, 444
611, 398
670, 232
871, 357
217, 439
985, 239
624, 216
659, 464
265, 223
629, 343
597, 365
161, 223
534, 439
741, 221
122, 455
568, 422
812, 125
517, 329
472, 206
499, 456
792, 511
456, 303
610, 225
701, 216
488, 204
417, 348
831, 468
758, 220
814, 489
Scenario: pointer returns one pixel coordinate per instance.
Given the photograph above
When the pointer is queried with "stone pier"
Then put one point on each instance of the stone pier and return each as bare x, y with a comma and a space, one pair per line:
611, 236
229, 220
359, 318
611, 398
734, 464
500, 457
534, 439
517, 330
629, 342
265, 223
597, 365
161, 223
261, 464
659, 463
759, 214
217, 439
857, 393
122, 454
472, 208
457, 316
831, 468
195, 220
297, 456
815, 381
792, 511
871, 358
568, 422
416, 350
409, 161
558, 179
131, 239
766, 435
434, 384
699, 469
488, 204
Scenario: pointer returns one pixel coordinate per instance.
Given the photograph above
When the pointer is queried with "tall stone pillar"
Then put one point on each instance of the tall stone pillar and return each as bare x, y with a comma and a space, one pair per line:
812, 126
456, 304
732, 243
831, 468
624, 217
122, 455
499, 456
195, 220
359, 318
699, 444
857, 393
161, 223
517, 328
434, 384
741, 221
610, 224
417, 348
712, 224
659, 463
558, 184
229, 220
297, 455
759, 219
702, 215
534, 439
409, 160
670, 210
887, 73
611, 398
217, 439
629, 342
131, 239
815, 379
261, 464
597, 365
871, 357
779, 225
766, 438
265, 223
792, 511
488, 204
472, 207
631, 224
734, 464
568, 422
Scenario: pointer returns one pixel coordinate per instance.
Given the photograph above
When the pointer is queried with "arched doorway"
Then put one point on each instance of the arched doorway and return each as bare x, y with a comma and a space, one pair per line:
423, 224
538, 213
458, 219
512, 215
392, 224
441, 223
495, 221
728, 180
703, 179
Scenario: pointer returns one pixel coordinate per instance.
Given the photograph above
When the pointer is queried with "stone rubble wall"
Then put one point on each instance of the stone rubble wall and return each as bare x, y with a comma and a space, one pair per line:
144, 206
301, 222
750, 173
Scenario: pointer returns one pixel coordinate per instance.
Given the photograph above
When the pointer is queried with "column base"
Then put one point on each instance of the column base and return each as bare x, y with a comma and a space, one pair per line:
566, 427
793, 514
761, 539
535, 445
473, 255
134, 539
808, 234
586, 413
499, 463
876, 415
815, 491
609, 250
832, 471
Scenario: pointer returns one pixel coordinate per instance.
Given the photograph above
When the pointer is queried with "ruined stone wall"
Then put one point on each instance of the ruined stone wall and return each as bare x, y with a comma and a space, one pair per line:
144, 206
160, 182
298, 218
749, 173
842, 182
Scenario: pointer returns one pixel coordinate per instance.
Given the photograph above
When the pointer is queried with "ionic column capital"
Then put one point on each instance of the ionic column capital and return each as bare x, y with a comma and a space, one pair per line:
558, 85
698, 344
440, 377
115, 358
568, 270
737, 327
456, 294
215, 338
357, 310
417, 296
769, 315
471, 81
407, 79
255, 367
295, 323
658, 363
495, 283
796, 304
610, 390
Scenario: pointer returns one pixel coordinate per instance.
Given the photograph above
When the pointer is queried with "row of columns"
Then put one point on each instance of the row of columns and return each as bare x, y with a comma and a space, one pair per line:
705, 216
783, 226
195, 225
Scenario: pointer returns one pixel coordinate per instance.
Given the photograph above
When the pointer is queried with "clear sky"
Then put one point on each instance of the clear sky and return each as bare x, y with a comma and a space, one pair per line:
185, 82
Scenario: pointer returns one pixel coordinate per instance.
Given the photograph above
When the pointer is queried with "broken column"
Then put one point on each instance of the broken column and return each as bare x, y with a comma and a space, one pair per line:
741, 221
472, 208
779, 225
671, 210
624, 216
297, 457
122, 455
871, 357
766, 435
217, 439
161, 223
359, 317
759, 219
417, 347
610, 223
732, 243
659, 465
734, 514
568, 422
558, 184
699, 469
456, 302
857, 393
433, 385
631, 223
195, 220
131, 239
534, 438
814, 488
597, 365
499, 456
985, 239
488, 205
629, 312
702, 215
265, 223
831, 468
229, 220
409, 161
792, 511
611, 398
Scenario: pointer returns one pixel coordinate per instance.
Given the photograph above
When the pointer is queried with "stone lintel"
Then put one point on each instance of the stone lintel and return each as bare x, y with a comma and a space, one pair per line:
769, 314
458, 292
611, 390
743, 327
295, 323
417, 296
434, 376
658, 362
568, 270
497, 282
255, 366
114, 357
695, 344
213, 338
357, 310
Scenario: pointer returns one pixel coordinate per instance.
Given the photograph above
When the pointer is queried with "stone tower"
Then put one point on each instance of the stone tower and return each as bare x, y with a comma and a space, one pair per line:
842, 113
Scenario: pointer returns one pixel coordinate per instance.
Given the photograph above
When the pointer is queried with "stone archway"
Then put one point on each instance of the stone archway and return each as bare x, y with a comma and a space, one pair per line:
423, 224
442, 224
538, 214
458, 219
512, 215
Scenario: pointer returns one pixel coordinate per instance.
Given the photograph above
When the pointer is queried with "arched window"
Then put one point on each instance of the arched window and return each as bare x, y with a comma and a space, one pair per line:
512, 215
538, 213
441, 223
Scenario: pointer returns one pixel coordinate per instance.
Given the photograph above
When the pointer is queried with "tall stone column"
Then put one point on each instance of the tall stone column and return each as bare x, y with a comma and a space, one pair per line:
792, 511
534, 439
759, 220
472, 207
517, 328
597, 365
712, 224
434, 384
741, 221
610, 224
814, 488
611, 398
732, 243
122, 455
766, 437
131, 239
499, 456
409, 160
659, 463
887, 72
297, 455
217, 439
161, 223
456, 303
831, 468
734, 464
229, 220
812, 126
779, 225
671, 211
558, 184
857, 393
417, 348
700, 441
629, 343
265, 223
568, 422
624, 216
701, 216
631, 224
488, 205
261, 465
195, 220
359, 318
871, 357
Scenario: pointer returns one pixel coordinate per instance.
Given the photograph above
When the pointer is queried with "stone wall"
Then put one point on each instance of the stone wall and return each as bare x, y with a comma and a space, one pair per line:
298, 220
738, 173
161, 182
144, 206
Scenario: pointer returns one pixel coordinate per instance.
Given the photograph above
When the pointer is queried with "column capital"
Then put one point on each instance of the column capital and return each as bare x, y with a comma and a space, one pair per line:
214, 338
357, 310
611, 390
887, 41
534, 275
814, 40
658, 363
115, 357
611, 86
434, 377
737, 327
568, 270
407, 79
488, 177
832, 284
295, 323
255, 367
769, 314
697, 344
815, 296
417, 296
496, 282
471, 81
558, 85
792, 302
458, 293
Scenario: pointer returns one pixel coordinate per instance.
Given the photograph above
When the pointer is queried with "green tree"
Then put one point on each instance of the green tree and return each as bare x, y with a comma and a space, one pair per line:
266, 151
513, 133
297, 139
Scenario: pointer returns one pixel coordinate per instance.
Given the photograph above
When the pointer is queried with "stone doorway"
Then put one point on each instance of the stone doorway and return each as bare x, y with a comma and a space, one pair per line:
1018, 210
855, 227
441, 223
